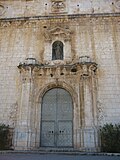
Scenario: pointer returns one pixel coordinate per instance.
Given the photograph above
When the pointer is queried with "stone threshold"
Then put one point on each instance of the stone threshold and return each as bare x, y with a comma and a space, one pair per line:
58, 151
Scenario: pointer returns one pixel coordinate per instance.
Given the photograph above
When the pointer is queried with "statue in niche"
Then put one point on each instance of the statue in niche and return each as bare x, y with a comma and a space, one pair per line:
57, 50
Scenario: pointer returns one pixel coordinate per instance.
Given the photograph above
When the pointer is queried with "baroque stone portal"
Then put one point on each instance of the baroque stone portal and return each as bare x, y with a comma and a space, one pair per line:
38, 79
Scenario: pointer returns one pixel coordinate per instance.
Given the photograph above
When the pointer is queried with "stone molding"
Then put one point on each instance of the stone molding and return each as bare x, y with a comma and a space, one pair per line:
59, 32
84, 69
76, 20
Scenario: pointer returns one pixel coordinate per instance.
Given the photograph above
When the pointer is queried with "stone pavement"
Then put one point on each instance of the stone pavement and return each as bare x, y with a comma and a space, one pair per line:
37, 156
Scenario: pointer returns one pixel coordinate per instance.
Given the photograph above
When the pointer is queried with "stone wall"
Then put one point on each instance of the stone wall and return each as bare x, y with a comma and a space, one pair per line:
31, 8
94, 37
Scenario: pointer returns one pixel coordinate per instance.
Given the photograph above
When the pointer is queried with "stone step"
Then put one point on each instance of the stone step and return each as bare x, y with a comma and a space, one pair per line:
58, 150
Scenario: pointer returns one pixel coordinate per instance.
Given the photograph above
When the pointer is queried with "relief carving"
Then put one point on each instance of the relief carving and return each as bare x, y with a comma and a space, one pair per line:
2, 9
58, 5
117, 4
13, 114
88, 67
32, 65
18, 23
58, 32
101, 113
5, 24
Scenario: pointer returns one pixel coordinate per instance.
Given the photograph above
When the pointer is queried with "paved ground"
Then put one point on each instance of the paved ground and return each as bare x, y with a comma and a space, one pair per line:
54, 157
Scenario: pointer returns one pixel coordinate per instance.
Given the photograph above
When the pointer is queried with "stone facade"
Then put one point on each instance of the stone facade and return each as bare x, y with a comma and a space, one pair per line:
89, 70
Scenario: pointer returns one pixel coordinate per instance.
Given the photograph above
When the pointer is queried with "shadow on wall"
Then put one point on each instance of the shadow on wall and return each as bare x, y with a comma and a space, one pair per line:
6, 137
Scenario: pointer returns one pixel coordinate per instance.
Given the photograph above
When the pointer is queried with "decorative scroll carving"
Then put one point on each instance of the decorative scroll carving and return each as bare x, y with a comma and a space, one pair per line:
88, 67
82, 69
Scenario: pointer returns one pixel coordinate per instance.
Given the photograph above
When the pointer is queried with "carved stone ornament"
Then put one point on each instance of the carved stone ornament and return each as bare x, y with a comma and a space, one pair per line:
58, 5
58, 32
31, 65
117, 4
2, 9
4, 24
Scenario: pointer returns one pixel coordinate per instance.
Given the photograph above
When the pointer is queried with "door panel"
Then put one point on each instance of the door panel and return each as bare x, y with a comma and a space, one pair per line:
64, 134
49, 106
56, 121
48, 134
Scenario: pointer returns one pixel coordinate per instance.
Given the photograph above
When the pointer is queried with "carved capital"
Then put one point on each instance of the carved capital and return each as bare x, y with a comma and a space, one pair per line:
26, 69
88, 67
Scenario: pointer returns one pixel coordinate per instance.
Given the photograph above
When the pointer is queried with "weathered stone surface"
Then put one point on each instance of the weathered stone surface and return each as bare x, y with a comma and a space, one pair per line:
23, 8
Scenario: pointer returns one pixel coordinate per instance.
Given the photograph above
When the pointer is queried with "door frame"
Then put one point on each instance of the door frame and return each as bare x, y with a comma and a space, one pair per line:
76, 110
56, 127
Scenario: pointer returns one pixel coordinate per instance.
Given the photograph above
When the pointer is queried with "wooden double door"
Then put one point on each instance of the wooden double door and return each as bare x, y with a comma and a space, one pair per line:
57, 119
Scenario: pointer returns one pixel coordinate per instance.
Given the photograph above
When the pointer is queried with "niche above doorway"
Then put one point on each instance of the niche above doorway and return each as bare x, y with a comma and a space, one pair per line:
54, 35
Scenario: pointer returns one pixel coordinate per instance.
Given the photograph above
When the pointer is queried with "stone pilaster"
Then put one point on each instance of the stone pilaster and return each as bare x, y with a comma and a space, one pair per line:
23, 132
88, 106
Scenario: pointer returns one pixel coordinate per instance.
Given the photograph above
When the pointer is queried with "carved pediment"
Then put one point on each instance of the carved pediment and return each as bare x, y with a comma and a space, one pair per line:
58, 32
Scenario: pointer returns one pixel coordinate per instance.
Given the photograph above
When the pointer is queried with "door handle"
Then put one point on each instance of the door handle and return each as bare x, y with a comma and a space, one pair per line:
50, 132
61, 131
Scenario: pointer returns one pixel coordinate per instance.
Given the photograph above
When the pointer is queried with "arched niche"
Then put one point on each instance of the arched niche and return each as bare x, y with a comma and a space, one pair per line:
55, 35
57, 50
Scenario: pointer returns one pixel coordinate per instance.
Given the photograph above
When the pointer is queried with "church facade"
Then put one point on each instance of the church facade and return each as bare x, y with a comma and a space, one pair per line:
59, 71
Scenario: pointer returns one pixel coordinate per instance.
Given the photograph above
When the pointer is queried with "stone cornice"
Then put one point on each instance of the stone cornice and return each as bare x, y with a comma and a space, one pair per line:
27, 22
62, 16
84, 68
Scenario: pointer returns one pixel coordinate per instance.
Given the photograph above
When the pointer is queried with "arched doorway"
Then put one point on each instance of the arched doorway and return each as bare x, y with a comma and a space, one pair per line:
57, 119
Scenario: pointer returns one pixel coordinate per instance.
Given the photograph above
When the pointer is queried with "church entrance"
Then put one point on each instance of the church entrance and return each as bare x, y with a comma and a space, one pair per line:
57, 119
